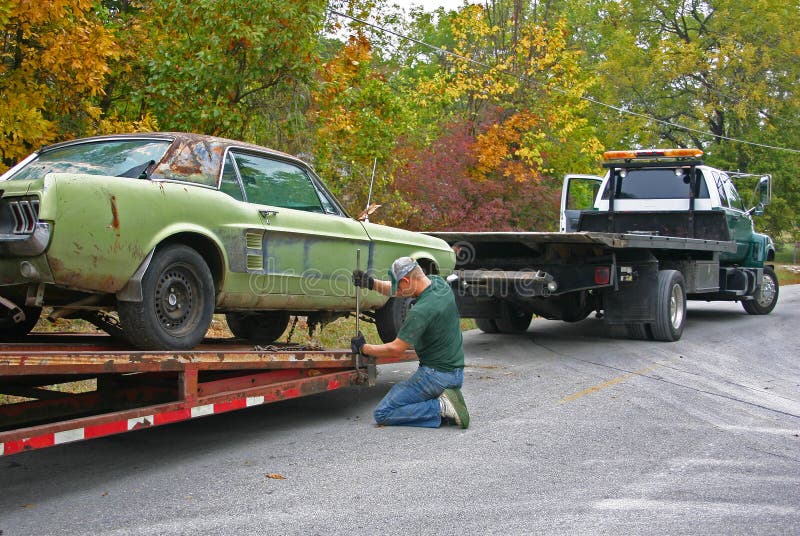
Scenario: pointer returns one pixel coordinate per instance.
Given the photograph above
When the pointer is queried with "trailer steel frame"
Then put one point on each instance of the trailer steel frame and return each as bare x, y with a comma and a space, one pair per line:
139, 389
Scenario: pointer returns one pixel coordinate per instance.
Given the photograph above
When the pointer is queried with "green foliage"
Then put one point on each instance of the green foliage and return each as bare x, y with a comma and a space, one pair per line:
211, 66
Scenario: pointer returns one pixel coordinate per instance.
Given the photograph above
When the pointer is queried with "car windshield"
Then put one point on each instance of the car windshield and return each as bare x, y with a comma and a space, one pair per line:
655, 183
114, 158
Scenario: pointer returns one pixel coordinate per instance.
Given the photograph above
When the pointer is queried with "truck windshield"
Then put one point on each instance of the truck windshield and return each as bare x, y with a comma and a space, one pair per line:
655, 183
115, 158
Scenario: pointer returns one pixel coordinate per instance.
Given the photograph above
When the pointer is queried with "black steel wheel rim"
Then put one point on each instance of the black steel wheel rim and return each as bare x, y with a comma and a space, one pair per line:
176, 299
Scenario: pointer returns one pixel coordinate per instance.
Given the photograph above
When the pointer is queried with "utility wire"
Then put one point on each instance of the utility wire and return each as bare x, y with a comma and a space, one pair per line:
528, 80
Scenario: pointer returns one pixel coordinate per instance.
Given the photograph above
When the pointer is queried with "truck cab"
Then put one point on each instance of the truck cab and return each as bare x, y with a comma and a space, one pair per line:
671, 184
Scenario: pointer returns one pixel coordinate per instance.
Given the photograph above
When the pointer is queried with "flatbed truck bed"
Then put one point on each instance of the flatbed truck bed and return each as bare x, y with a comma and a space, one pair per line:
141, 389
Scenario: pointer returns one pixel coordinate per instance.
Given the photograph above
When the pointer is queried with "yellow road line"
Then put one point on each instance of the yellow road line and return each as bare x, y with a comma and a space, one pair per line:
609, 383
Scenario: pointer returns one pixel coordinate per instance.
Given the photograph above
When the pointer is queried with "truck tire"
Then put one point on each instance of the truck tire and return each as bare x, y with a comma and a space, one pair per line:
177, 302
389, 318
260, 327
765, 296
486, 325
513, 320
10, 330
670, 306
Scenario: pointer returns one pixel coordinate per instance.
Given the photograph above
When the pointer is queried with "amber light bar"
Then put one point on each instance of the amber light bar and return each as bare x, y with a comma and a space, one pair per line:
652, 153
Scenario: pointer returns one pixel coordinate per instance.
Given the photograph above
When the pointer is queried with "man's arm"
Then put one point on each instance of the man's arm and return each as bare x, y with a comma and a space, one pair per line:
364, 280
396, 348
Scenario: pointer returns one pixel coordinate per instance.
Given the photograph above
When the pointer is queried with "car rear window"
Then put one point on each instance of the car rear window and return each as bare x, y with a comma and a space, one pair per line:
655, 184
115, 158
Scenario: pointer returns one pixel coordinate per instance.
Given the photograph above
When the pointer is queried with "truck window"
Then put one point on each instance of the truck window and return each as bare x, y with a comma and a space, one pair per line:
723, 197
733, 196
655, 183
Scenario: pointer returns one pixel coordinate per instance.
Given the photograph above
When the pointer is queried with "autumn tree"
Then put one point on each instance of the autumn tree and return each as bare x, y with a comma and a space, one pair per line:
230, 68
54, 57
358, 119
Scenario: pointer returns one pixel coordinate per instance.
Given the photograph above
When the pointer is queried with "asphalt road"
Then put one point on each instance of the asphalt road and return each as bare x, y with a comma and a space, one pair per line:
574, 431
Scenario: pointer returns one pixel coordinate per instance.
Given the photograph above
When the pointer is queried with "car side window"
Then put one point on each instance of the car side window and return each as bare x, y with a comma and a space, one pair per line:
229, 183
276, 183
733, 196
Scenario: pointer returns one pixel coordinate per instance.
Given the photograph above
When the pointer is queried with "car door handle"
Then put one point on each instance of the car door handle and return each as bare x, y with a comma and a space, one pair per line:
267, 214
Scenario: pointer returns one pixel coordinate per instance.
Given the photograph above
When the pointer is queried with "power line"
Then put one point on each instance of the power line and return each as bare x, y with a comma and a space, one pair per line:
591, 100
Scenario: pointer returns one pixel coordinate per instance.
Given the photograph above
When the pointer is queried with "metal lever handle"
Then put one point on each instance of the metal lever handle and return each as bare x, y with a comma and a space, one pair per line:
268, 213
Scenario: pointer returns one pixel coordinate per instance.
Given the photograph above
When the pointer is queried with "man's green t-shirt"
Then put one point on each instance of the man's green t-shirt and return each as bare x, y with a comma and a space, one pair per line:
433, 328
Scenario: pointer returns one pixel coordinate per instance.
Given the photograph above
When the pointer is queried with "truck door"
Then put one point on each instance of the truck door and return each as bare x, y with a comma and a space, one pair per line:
739, 221
578, 193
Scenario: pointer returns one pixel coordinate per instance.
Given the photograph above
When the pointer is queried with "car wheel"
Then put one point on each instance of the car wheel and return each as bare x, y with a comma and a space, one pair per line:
177, 304
765, 296
390, 318
261, 327
513, 320
486, 325
13, 330
670, 306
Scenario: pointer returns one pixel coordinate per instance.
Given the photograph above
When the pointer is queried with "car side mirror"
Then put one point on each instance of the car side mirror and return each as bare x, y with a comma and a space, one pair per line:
764, 191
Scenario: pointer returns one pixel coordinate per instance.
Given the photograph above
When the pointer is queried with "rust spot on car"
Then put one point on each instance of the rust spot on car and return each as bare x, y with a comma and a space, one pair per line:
114, 214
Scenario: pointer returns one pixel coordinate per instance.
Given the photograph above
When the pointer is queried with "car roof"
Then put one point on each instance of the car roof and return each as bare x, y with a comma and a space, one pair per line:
183, 137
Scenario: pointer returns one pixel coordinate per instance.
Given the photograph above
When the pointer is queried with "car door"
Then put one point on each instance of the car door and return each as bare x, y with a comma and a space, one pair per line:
578, 194
308, 247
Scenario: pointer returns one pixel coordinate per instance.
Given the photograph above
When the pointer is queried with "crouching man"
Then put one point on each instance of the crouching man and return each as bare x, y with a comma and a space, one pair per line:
433, 328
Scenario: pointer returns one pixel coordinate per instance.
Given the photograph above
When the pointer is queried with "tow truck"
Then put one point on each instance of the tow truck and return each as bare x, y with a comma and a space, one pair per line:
660, 227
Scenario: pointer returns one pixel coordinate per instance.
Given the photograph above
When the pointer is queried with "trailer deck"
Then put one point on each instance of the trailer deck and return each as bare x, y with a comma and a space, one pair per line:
139, 389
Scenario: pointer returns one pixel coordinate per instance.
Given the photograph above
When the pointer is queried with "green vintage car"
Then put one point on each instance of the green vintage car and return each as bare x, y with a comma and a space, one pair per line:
168, 228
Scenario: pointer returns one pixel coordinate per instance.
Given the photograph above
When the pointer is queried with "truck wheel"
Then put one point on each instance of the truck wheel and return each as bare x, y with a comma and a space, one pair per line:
390, 317
177, 304
486, 325
261, 327
513, 320
766, 295
670, 306
13, 330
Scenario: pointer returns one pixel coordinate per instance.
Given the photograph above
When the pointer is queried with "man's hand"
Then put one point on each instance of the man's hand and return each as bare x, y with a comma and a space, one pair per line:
363, 280
357, 343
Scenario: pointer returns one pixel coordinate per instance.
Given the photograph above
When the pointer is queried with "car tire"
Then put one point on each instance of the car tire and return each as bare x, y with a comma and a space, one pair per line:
765, 296
513, 320
670, 306
260, 327
390, 318
10, 330
486, 325
177, 302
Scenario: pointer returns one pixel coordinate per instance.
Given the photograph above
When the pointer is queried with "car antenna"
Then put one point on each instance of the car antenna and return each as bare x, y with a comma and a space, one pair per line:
371, 182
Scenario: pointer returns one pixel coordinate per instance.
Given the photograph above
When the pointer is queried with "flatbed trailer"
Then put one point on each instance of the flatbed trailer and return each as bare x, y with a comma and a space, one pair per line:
142, 389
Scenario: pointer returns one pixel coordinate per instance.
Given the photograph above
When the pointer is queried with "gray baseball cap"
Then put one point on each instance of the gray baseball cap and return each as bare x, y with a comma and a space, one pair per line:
401, 268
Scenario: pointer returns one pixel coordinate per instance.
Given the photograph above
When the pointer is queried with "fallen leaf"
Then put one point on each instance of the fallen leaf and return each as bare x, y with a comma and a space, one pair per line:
275, 476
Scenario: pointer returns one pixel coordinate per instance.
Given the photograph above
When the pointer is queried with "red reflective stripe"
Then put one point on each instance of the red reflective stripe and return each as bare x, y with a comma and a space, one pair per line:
292, 393
109, 428
38, 442
239, 403
172, 416
333, 384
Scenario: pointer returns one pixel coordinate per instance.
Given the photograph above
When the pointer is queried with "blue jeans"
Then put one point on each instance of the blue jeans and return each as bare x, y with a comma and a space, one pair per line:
415, 401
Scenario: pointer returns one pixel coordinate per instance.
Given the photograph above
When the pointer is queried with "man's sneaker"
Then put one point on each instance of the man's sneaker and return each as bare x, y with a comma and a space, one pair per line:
453, 407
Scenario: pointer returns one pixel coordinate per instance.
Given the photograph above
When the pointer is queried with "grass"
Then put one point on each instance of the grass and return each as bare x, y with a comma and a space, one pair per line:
788, 274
